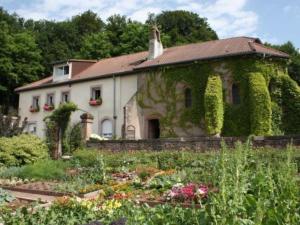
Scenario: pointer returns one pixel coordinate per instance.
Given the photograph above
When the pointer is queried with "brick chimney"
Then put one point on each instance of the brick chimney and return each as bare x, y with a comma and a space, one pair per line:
155, 45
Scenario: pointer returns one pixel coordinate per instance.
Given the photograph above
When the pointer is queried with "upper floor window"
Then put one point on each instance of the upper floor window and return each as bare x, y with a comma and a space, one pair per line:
61, 70
65, 96
35, 102
236, 99
96, 93
50, 99
188, 98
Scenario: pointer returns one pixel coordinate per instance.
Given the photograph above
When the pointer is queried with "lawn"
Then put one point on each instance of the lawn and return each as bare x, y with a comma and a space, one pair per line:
230, 186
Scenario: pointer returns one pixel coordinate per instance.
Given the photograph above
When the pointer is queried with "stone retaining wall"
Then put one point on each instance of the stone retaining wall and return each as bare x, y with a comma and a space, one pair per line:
196, 143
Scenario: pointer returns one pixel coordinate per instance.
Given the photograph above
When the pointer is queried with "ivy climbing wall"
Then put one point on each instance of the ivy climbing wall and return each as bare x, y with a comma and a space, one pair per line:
263, 81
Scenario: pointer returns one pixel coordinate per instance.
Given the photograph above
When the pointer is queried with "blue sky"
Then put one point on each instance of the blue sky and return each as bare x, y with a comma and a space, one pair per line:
275, 21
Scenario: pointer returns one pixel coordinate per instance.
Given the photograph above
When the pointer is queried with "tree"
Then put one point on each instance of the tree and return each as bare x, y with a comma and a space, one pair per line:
183, 27
20, 63
96, 46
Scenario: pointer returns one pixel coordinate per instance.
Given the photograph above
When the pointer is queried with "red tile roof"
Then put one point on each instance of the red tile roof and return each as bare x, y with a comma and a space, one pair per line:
180, 54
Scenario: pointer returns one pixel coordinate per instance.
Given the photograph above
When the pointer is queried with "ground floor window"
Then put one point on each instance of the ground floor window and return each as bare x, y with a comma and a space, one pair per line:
50, 99
31, 128
107, 128
35, 102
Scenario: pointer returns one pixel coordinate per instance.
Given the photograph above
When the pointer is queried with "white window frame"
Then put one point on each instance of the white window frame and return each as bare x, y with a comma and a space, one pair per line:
48, 98
35, 104
62, 96
34, 125
93, 89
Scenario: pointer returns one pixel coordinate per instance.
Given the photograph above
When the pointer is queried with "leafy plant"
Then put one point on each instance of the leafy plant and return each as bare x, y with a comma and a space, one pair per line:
5, 197
21, 150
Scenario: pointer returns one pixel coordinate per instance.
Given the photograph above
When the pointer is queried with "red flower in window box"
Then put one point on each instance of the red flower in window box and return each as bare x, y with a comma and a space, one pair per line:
34, 109
48, 107
95, 102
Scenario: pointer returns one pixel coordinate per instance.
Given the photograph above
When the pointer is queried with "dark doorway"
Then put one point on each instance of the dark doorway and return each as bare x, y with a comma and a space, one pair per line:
153, 129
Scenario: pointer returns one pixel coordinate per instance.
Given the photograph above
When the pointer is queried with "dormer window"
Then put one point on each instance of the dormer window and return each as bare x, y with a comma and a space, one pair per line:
62, 70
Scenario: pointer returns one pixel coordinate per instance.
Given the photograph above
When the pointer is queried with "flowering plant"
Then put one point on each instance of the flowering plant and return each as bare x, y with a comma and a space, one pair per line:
95, 102
48, 107
189, 192
34, 109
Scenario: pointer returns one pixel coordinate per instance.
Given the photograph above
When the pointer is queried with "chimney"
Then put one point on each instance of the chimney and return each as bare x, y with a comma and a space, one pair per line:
155, 45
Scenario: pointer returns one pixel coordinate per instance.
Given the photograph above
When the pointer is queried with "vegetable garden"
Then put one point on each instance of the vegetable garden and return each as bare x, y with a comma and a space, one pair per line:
231, 186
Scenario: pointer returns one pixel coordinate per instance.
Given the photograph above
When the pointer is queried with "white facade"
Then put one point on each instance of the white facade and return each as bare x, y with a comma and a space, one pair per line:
80, 94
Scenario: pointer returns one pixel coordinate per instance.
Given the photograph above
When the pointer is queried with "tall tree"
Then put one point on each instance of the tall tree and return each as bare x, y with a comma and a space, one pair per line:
183, 27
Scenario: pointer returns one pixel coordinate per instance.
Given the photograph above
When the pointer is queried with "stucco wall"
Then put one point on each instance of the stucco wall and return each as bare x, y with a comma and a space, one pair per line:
80, 94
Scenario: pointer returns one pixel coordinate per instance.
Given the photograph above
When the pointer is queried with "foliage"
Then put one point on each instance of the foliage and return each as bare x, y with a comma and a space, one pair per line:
260, 105
291, 105
57, 124
183, 27
294, 65
213, 103
5, 197
10, 125
74, 137
23, 149
44, 170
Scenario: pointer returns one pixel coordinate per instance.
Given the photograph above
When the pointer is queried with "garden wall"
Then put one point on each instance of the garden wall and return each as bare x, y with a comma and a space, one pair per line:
199, 143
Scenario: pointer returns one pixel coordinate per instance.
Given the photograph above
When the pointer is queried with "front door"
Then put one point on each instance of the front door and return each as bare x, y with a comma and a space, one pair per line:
153, 129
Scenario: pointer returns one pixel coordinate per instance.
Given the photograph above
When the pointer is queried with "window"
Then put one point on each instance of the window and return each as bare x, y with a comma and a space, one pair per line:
35, 102
236, 99
62, 70
188, 98
96, 93
106, 128
50, 99
65, 97
31, 127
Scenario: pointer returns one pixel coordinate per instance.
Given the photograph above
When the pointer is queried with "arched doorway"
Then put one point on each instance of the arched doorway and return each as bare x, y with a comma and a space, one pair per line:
106, 128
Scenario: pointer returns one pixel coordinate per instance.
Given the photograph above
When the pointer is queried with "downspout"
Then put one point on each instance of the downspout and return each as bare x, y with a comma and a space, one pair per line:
114, 108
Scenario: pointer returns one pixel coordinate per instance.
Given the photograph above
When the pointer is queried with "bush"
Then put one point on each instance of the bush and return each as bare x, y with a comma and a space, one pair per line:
21, 150
75, 138
291, 105
260, 105
44, 170
213, 102
86, 158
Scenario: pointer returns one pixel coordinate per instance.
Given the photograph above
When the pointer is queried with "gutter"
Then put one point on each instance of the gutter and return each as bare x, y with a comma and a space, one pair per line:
114, 106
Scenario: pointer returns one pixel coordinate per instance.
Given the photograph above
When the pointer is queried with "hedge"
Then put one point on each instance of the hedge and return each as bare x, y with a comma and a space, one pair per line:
259, 105
290, 105
213, 104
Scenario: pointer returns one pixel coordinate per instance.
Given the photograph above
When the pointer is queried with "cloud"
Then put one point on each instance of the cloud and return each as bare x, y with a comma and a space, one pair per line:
227, 17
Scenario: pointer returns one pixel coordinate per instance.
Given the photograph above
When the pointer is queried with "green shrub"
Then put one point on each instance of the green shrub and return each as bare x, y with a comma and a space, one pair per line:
74, 137
213, 102
44, 170
291, 105
21, 150
260, 105
86, 158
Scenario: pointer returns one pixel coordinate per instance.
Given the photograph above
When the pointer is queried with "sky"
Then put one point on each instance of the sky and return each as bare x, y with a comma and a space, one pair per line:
274, 21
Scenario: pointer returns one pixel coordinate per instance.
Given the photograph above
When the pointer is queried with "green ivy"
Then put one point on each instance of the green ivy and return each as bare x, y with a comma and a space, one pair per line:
290, 105
213, 103
238, 119
260, 105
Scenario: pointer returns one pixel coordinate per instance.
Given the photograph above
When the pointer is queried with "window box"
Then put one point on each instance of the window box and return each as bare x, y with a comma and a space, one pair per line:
34, 109
95, 102
48, 107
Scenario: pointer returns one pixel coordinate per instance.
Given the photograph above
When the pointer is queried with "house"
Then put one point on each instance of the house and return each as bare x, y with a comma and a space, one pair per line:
156, 93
